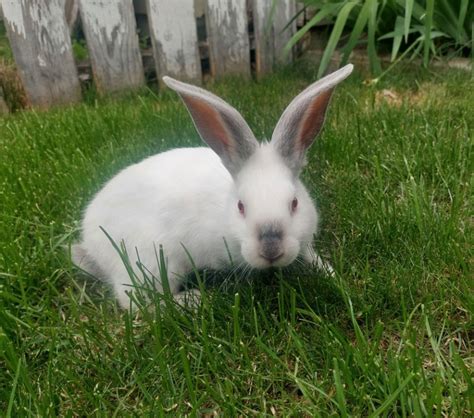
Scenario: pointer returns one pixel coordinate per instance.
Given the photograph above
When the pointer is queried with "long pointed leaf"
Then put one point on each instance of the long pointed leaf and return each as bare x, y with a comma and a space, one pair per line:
372, 51
461, 19
392, 34
417, 10
428, 28
326, 10
398, 35
408, 13
445, 17
335, 36
359, 26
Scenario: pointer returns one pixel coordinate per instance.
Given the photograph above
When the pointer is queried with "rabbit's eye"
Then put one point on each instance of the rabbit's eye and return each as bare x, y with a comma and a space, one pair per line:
241, 207
294, 204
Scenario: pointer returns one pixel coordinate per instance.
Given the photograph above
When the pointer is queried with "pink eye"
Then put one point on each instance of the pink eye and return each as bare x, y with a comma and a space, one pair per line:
241, 207
294, 204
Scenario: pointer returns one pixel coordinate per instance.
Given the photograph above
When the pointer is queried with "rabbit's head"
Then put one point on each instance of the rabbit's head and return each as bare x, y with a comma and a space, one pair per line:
270, 212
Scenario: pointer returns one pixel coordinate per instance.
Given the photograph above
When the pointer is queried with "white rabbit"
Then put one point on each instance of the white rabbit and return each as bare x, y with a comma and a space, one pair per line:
237, 198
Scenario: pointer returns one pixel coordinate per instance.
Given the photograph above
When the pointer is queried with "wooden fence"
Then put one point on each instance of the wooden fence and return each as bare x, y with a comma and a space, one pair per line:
239, 35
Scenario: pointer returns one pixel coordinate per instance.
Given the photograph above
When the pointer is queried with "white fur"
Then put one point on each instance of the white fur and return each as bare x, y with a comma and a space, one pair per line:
267, 187
187, 199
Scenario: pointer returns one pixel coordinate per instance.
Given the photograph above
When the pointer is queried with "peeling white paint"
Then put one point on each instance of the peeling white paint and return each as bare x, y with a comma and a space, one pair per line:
57, 41
228, 36
173, 27
12, 12
41, 61
41, 43
104, 18
110, 30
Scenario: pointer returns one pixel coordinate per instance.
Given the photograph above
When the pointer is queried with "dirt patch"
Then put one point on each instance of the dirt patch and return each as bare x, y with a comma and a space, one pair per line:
427, 93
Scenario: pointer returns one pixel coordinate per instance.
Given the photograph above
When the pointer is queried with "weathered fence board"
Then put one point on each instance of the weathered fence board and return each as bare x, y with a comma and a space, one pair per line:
284, 12
174, 39
227, 30
270, 33
41, 43
263, 29
40, 39
110, 29
71, 9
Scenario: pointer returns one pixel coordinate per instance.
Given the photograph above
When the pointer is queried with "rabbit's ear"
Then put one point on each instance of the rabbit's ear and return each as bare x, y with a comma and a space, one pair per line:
303, 119
218, 123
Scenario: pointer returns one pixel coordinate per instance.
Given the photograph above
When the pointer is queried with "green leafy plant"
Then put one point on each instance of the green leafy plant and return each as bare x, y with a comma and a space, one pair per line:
5, 50
79, 49
416, 28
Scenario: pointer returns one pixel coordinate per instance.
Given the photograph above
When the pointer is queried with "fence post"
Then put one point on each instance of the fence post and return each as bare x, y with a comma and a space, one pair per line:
174, 39
271, 36
263, 30
285, 11
112, 41
71, 9
41, 44
228, 37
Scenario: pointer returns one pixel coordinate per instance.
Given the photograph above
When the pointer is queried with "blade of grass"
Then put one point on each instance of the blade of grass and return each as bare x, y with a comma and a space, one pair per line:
341, 399
11, 401
187, 375
235, 318
392, 397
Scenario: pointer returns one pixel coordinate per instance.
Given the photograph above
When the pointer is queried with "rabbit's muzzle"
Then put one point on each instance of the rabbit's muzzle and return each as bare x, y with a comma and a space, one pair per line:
270, 237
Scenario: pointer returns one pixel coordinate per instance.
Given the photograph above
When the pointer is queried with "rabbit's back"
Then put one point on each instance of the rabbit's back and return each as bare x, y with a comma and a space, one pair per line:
175, 198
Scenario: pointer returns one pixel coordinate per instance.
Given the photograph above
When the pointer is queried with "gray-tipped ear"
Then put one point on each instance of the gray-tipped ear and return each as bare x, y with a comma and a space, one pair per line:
303, 119
218, 123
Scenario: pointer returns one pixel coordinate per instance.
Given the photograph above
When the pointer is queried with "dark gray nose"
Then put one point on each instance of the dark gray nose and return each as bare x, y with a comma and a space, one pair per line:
271, 250
270, 237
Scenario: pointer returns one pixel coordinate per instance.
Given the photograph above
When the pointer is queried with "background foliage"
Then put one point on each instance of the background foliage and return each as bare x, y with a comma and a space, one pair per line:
424, 28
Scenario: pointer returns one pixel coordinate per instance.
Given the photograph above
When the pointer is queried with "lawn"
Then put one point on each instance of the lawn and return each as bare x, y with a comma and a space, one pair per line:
390, 335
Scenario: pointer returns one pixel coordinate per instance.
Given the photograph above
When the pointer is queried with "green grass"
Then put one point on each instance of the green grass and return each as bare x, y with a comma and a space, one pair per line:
390, 335
5, 50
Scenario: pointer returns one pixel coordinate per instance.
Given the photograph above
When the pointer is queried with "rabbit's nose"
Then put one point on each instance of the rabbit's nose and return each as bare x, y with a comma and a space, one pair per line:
270, 236
271, 249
